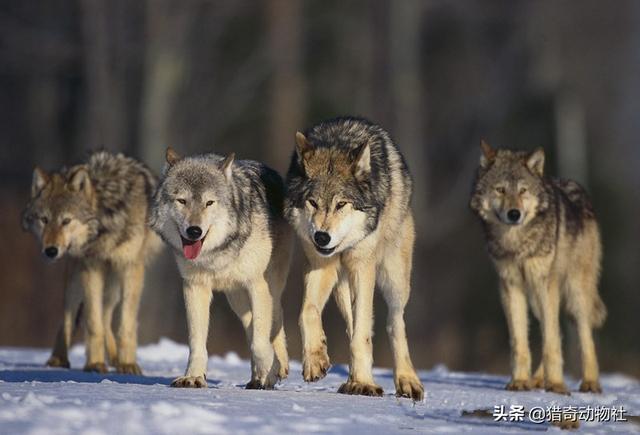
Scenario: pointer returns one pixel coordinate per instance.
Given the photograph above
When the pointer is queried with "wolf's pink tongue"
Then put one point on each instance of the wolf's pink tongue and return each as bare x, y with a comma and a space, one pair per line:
192, 250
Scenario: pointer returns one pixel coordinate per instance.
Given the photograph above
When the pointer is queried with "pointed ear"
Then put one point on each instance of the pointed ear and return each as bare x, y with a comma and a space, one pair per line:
535, 161
303, 147
362, 163
225, 166
38, 181
172, 156
79, 181
488, 154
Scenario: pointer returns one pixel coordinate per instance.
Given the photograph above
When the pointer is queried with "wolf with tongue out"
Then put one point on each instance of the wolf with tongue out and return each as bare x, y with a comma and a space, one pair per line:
224, 220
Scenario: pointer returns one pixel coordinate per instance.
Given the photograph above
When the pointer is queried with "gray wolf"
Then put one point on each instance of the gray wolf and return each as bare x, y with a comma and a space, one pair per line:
348, 195
543, 239
96, 214
223, 220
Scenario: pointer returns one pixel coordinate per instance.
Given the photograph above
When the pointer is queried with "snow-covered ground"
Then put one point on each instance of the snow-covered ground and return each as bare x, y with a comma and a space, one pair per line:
39, 400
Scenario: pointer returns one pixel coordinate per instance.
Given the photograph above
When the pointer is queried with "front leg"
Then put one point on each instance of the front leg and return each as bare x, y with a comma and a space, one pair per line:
319, 280
547, 292
514, 302
362, 281
72, 300
265, 373
131, 282
92, 277
197, 299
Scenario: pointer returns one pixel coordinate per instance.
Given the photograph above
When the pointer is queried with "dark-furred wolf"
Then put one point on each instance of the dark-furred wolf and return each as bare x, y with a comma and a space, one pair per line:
348, 194
96, 213
544, 241
223, 219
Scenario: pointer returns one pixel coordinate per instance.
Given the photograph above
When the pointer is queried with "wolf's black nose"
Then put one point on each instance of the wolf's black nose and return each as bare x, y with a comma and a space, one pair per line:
194, 232
322, 238
51, 251
513, 215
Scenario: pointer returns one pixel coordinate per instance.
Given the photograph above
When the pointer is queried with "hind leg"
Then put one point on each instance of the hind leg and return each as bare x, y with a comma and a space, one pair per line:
581, 307
319, 281
394, 277
279, 339
111, 299
72, 302
342, 296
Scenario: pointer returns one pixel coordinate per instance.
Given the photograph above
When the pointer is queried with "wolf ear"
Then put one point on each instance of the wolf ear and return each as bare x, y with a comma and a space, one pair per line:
38, 181
535, 161
225, 166
172, 156
79, 181
362, 163
488, 154
303, 147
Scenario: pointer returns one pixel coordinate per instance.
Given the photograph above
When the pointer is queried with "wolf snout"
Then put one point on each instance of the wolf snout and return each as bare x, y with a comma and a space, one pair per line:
51, 252
194, 232
321, 238
514, 215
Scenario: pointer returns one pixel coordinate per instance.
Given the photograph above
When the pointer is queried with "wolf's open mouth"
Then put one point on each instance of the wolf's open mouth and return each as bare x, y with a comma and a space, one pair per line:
325, 251
191, 248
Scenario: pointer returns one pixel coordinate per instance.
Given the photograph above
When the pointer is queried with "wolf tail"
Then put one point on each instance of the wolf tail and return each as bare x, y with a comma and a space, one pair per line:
598, 313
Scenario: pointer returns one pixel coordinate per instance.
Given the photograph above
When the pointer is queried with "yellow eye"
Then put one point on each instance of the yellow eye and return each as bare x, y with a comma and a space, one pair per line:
340, 204
313, 203
181, 201
500, 190
66, 221
209, 203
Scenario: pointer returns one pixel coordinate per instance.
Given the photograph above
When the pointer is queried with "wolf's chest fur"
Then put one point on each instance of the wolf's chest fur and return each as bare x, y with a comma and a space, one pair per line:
536, 239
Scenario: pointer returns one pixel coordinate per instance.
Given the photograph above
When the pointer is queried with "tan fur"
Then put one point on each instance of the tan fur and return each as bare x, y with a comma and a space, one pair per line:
256, 278
549, 259
245, 253
362, 259
104, 270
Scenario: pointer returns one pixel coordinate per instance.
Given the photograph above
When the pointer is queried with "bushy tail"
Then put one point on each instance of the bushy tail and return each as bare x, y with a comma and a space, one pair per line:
598, 313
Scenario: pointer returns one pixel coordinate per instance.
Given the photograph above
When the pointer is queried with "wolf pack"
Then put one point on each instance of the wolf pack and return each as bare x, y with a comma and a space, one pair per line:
231, 225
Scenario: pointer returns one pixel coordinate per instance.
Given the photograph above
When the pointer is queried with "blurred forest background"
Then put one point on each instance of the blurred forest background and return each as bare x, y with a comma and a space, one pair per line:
243, 76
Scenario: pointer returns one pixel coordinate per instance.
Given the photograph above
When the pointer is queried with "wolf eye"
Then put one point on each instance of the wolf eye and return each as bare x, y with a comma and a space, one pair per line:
340, 204
66, 221
523, 190
500, 190
209, 203
181, 201
44, 220
313, 203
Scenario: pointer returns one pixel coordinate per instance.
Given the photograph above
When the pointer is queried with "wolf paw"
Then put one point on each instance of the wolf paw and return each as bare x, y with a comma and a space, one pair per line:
56, 361
360, 388
283, 373
557, 387
99, 367
315, 365
536, 383
410, 387
128, 368
590, 387
189, 382
519, 385
257, 384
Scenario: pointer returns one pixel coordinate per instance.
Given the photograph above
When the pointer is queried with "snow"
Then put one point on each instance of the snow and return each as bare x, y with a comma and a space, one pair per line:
39, 400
